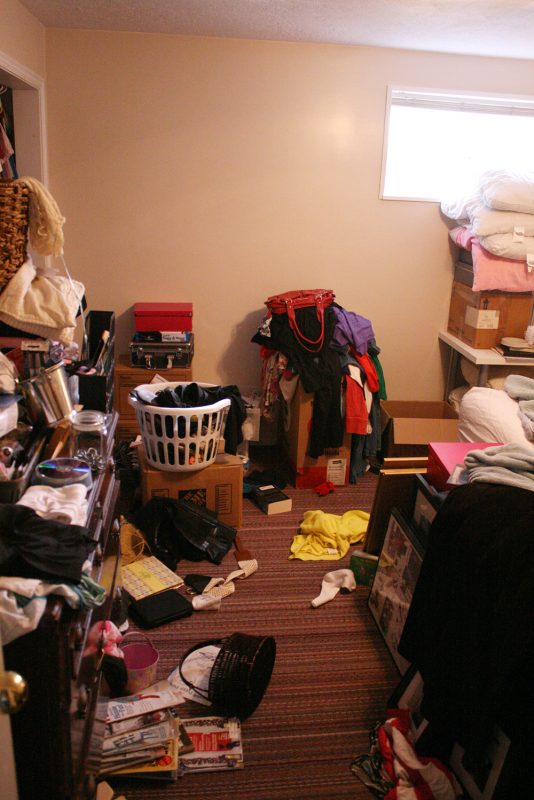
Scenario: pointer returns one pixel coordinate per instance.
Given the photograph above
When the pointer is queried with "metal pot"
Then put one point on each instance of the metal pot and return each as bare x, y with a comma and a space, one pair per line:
47, 395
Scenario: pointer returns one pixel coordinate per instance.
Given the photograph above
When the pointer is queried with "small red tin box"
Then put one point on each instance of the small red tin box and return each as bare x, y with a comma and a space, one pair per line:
163, 316
443, 457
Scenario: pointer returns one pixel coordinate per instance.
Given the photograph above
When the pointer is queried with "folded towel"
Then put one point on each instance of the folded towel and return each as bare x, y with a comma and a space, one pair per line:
510, 464
519, 387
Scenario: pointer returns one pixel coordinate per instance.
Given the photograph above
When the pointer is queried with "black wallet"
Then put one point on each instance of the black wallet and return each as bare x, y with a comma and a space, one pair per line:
159, 609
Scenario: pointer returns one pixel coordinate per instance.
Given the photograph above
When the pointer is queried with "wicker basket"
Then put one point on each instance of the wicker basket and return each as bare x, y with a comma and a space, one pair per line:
14, 224
240, 673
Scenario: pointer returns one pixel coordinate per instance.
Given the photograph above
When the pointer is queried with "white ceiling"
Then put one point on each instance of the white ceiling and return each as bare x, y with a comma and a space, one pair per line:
480, 27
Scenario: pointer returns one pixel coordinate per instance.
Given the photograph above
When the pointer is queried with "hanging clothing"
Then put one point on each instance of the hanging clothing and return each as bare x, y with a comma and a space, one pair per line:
319, 371
351, 329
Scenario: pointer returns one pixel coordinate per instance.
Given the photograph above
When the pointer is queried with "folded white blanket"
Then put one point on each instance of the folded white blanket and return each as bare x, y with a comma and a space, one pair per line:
498, 190
42, 304
508, 191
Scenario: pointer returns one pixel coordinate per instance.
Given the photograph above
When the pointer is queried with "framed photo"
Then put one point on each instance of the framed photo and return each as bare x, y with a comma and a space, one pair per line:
482, 785
409, 695
392, 589
395, 489
426, 506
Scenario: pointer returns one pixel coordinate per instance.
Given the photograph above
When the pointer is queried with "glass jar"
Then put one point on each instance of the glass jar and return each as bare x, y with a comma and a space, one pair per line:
90, 438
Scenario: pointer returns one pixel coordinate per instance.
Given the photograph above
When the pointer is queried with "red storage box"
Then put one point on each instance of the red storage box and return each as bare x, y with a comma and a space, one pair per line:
443, 458
163, 316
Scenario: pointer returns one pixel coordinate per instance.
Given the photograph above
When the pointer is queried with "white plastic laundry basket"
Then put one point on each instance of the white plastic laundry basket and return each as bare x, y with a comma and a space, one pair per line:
180, 439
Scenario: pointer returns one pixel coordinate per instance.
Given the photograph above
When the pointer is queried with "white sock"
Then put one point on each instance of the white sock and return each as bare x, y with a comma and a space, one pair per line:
205, 602
332, 583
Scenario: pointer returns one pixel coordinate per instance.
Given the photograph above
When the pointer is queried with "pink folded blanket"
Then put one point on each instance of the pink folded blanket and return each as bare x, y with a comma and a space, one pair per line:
490, 272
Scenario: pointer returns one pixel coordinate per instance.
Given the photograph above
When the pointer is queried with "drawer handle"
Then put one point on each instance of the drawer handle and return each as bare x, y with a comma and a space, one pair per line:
13, 692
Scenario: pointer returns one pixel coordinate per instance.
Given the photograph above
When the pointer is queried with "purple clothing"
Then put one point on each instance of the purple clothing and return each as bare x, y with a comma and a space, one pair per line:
351, 329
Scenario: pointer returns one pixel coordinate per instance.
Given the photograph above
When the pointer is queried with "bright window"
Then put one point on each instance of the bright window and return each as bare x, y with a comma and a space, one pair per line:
436, 144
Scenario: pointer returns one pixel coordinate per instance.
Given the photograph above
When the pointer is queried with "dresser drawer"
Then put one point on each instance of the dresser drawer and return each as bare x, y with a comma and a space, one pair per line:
128, 377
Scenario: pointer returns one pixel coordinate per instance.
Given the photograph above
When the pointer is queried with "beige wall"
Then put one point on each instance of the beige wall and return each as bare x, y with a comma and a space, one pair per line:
22, 37
222, 171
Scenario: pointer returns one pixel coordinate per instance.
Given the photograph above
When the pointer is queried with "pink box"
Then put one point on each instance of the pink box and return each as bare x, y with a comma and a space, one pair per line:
443, 458
163, 316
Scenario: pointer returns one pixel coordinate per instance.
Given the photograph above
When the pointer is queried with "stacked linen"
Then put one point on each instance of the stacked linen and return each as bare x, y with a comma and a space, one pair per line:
496, 223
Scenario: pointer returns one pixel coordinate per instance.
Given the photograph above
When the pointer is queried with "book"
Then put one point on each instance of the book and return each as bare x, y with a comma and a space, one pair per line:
135, 705
148, 576
363, 566
271, 500
514, 352
217, 742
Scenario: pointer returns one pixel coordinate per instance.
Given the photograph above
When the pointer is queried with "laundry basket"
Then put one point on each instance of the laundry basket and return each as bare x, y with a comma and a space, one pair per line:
180, 439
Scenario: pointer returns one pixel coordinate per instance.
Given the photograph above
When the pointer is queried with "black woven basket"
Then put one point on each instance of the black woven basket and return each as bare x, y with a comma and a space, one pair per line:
240, 674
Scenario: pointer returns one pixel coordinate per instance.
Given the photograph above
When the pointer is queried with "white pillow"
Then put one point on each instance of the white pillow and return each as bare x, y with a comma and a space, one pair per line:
503, 245
487, 221
490, 415
508, 191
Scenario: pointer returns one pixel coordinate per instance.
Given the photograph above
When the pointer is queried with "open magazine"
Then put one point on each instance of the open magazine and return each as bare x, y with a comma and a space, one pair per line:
217, 745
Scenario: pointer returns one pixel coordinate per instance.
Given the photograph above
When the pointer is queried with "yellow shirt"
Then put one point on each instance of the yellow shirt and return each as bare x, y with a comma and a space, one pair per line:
327, 537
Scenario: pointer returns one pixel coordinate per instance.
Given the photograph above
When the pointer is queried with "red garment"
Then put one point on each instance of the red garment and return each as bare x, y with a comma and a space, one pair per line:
369, 368
415, 777
356, 414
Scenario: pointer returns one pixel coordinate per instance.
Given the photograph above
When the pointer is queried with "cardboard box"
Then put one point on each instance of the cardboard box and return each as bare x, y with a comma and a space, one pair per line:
481, 319
163, 316
443, 457
308, 472
409, 425
218, 487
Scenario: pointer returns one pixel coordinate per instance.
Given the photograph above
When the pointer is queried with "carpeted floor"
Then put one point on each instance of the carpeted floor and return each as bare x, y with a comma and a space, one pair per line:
331, 678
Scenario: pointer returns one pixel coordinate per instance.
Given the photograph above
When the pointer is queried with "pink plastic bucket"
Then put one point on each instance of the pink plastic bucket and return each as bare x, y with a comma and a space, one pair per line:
141, 662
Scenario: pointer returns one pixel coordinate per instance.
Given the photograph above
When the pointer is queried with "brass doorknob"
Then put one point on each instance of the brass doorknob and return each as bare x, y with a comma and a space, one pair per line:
13, 692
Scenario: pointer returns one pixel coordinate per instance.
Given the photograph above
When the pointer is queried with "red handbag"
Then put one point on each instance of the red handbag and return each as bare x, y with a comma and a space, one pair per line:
287, 302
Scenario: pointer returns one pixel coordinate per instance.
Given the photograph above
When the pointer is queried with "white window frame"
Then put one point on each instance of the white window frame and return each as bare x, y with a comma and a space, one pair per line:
447, 99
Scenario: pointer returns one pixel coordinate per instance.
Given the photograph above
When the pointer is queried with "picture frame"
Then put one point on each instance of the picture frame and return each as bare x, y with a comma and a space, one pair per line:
481, 786
409, 695
394, 582
427, 503
395, 489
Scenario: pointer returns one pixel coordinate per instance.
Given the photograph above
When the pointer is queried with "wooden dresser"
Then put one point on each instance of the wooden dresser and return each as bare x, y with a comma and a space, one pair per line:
126, 379
57, 735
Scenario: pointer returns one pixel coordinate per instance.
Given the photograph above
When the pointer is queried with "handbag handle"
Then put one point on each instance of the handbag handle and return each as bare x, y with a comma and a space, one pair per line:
197, 689
316, 344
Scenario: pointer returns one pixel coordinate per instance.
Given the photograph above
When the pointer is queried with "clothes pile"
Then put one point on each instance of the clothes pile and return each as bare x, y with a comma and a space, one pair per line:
44, 549
343, 374
393, 770
495, 226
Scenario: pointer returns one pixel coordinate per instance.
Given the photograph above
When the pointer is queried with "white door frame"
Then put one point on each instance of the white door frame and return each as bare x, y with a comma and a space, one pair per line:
29, 110
31, 153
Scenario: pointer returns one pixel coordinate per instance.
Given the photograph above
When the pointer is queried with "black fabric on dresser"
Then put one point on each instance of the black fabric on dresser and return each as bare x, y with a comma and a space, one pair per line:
470, 629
